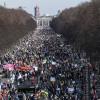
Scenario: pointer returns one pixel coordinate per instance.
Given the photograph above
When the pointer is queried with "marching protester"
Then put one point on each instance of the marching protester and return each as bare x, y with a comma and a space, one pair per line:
45, 61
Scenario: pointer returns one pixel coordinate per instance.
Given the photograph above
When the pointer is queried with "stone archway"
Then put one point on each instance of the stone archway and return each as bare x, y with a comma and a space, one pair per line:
44, 21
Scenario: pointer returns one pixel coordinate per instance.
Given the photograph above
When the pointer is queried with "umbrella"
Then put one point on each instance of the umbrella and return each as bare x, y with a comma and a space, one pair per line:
9, 67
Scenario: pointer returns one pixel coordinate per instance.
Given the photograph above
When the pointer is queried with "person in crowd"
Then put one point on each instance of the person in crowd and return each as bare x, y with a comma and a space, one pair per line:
56, 69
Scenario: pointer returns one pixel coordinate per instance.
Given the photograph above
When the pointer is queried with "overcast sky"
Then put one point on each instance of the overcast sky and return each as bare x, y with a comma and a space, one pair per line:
46, 6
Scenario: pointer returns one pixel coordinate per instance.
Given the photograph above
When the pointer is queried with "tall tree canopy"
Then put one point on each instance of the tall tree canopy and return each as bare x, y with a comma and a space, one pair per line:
81, 27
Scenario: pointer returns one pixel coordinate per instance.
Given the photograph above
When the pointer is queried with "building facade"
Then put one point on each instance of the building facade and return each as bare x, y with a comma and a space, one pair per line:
36, 11
42, 21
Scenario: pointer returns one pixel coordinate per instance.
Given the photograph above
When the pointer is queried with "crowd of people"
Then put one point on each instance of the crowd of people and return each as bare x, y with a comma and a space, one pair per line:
54, 68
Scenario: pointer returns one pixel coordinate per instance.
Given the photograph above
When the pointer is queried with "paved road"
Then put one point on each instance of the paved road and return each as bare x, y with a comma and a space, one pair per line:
41, 38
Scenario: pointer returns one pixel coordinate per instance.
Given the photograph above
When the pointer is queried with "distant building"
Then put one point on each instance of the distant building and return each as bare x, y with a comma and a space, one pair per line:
4, 4
36, 11
42, 21
58, 12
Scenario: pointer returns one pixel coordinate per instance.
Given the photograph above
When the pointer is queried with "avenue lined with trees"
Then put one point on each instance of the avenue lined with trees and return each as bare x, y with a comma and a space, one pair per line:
81, 27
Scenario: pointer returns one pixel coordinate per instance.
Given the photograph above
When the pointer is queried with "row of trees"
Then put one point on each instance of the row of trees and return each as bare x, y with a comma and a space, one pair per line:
81, 27
14, 24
